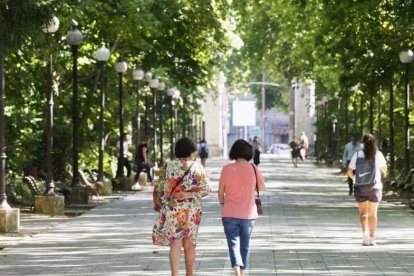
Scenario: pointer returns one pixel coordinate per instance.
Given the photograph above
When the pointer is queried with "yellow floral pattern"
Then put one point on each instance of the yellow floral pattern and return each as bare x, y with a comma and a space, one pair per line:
178, 219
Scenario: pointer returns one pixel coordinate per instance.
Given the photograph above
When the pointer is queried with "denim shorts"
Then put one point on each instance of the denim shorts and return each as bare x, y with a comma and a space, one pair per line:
373, 195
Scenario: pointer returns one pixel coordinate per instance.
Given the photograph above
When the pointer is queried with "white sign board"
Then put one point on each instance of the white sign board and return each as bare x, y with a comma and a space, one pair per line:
244, 113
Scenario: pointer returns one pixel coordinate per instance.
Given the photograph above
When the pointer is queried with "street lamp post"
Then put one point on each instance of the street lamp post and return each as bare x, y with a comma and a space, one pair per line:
148, 77
391, 126
121, 67
371, 113
346, 117
361, 113
153, 84
50, 28
294, 86
74, 39
184, 117
262, 117
355, 117
102, 55
160, 88
138, 75
3, 157
221, 88
354, 90
379, 124
406, 57
263, 85
171, 92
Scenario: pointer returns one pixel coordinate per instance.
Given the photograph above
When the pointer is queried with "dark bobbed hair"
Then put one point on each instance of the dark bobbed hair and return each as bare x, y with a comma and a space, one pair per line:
370, 146
355, 136
184, 147
241, 149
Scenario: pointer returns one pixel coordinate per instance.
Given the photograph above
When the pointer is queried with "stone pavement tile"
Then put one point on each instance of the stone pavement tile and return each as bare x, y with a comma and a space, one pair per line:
262, 260
211, 260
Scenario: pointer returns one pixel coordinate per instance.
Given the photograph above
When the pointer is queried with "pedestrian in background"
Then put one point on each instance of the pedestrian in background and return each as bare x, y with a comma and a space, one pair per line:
350, 149
304, 145
126, 143
142, 161
257, 148
368, 197
295, 151
237, 189
203, 151
183, 182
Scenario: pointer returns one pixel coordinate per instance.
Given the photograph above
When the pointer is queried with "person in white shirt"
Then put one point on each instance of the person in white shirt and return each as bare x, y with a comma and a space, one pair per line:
304, 145
350, 149
368, 199
126, 153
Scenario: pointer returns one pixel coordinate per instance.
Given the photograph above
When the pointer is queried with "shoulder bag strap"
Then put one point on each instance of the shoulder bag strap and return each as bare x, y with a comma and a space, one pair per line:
257, 187
179, 180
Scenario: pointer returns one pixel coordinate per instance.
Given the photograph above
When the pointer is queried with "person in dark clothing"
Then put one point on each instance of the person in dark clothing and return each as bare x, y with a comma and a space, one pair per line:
295, 151
256, 150
142, 161
203, 151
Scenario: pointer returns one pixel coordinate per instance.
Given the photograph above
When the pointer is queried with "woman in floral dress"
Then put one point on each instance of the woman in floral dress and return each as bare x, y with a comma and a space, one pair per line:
183, 182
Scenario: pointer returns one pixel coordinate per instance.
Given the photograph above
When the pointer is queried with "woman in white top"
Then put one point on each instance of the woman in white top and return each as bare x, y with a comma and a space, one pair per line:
368, 199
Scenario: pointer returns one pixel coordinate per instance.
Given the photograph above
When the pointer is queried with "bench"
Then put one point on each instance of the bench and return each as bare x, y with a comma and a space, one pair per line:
33, 185
14, 199
35, 189
400, 182
92, 186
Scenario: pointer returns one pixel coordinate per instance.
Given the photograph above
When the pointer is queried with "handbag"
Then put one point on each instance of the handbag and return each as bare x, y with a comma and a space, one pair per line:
257, 200
156, 196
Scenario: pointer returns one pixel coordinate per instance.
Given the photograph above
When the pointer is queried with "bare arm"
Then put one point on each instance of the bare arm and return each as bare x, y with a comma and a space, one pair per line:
350, 173
221, 195
383, 170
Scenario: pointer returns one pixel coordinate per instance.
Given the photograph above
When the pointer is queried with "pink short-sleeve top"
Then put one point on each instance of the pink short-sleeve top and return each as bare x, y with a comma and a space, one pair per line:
239, 184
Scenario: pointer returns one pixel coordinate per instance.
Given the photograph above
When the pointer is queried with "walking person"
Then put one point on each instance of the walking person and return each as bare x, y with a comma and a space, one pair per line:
350, 149
142, 161
183, 182
237, 188
126, 143
295, 151
365, 168
203, 151
257, 148
304, 145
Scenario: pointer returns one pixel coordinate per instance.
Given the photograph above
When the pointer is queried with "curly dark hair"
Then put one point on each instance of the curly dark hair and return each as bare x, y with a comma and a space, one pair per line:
241, 149
184, 147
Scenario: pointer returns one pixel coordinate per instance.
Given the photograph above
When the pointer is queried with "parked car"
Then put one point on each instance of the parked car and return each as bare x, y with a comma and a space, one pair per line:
279, 149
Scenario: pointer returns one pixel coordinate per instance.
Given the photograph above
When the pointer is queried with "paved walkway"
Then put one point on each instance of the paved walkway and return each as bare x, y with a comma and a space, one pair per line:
310, 227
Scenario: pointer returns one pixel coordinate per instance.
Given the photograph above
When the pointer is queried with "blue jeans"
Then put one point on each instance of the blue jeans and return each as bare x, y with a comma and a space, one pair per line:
238, 233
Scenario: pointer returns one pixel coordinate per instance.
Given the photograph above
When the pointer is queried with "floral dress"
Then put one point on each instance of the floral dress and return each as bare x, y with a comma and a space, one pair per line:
179, 219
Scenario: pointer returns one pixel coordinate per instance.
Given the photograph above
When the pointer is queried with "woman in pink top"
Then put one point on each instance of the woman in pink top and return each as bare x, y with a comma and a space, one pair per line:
237, 189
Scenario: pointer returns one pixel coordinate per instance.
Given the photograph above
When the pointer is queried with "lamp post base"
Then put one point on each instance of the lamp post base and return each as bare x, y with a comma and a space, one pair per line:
50, 205
123, 183
79, 195
9, 220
